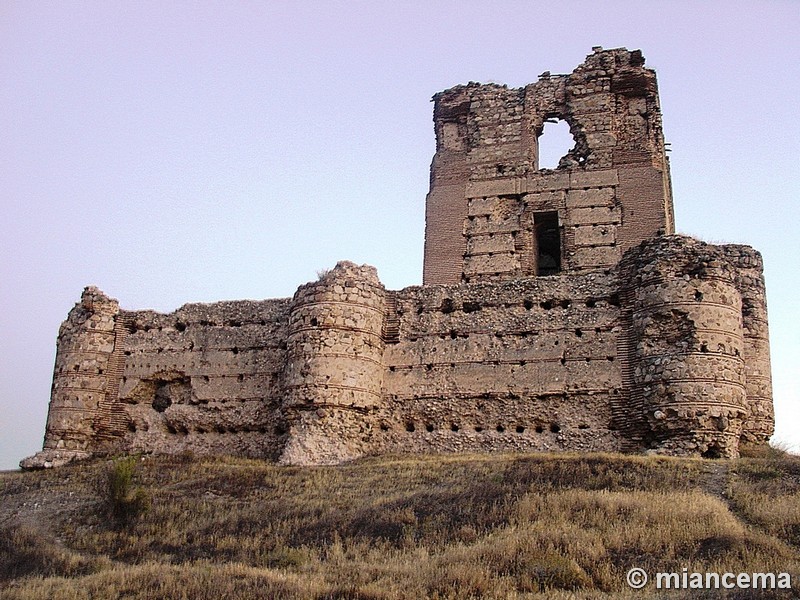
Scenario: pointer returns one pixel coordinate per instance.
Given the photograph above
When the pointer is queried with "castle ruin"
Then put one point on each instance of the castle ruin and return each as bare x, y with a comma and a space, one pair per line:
558, 311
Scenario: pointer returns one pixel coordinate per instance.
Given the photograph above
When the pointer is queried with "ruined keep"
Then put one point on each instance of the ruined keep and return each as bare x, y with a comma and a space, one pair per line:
558, 312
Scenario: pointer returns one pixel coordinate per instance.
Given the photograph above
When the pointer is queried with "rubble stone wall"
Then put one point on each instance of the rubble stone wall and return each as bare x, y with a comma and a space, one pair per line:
666, 353
610, 191
206, 379
529, 364
749, 281
333, 378
690, 354
80, 376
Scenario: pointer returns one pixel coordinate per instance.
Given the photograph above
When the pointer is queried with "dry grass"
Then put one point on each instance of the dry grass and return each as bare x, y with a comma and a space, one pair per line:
498, 526
766, 494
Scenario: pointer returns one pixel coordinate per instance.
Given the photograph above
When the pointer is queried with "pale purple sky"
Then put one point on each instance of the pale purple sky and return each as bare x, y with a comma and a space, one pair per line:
174, 152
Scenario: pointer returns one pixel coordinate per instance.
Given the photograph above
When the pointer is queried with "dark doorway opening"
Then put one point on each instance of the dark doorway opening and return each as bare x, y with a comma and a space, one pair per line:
548, 243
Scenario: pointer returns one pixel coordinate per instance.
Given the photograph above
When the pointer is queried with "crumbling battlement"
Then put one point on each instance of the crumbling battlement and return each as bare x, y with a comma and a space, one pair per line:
557, 314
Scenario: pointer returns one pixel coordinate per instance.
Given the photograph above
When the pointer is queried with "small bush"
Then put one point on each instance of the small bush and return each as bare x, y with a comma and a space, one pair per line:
125, 504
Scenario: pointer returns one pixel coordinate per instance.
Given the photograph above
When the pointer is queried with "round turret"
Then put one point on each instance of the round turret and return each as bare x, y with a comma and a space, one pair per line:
760, 423
85, 344
334, 347
689, 371
334, 363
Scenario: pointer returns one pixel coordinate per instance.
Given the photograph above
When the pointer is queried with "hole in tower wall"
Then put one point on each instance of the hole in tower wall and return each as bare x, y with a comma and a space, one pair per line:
162, 400
556, 146
470, 307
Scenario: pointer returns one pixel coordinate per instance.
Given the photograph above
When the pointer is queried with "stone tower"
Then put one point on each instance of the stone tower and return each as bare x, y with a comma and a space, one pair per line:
492, 214
334, 365
82, 384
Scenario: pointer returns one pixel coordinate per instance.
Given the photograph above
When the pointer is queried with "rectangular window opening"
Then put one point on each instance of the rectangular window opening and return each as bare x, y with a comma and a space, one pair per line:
548, 243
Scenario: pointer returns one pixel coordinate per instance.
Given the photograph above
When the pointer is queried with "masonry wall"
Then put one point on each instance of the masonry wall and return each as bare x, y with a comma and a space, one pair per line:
333, 379
206, 379
749, 281
610, 191
524, 365
689, 348
86, 343
668, 352
500, 228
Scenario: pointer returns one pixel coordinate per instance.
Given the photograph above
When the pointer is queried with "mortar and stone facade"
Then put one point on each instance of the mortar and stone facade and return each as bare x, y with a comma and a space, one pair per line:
558, 311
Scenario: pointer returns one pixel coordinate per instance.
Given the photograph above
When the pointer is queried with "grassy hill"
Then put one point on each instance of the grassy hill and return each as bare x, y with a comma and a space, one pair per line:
463, 526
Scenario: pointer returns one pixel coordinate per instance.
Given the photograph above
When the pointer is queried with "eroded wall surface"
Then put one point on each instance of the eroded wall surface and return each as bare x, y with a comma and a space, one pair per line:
666, 353
206, 378
529, 364
610, 191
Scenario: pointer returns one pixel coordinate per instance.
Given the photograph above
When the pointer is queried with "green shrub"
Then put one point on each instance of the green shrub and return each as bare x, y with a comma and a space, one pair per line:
124, 503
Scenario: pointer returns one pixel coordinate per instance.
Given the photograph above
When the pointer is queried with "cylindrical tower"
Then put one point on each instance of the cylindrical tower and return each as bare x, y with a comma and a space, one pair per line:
760, 423
689, 350
334, 365
80, 377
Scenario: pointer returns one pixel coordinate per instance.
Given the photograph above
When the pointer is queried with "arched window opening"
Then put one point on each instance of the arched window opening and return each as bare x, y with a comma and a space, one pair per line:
556, 146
